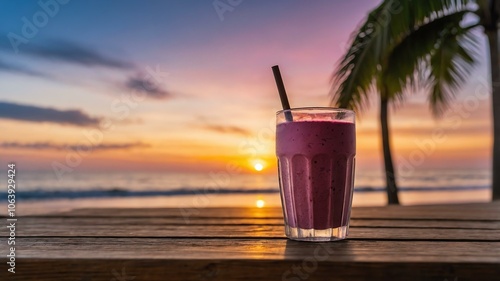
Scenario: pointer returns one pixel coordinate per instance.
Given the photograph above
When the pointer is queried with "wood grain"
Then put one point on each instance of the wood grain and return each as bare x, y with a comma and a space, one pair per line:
252, 259
476, 211
44, 228
214, 221
440, 242
266, 249
247, 270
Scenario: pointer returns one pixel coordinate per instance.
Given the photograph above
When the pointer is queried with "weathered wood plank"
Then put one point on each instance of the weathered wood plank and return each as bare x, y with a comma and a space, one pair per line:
253, 249
98, 269
476, 211
70, 229
118, 221
453, 242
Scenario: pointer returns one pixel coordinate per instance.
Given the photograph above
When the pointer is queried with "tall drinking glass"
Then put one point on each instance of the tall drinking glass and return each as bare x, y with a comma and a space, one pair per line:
316, 149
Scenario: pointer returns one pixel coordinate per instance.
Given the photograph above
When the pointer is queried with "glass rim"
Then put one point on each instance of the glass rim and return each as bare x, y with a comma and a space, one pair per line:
318, 108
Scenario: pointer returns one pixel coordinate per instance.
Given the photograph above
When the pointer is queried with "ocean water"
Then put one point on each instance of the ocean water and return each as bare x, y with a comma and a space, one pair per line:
45, 186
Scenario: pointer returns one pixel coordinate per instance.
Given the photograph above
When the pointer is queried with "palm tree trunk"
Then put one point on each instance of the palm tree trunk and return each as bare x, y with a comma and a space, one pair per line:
392, 189
492, 34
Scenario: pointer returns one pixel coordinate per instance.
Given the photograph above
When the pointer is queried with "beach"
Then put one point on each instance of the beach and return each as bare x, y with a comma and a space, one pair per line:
41, 192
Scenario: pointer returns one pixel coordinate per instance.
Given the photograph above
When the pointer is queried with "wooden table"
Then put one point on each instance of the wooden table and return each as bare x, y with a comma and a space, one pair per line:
445, 242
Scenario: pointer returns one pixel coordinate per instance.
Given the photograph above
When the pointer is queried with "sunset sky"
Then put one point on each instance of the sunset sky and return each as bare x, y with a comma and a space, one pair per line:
182, 86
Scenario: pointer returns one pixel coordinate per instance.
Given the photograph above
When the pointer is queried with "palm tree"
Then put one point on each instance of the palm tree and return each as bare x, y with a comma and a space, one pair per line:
489, 14
404, 45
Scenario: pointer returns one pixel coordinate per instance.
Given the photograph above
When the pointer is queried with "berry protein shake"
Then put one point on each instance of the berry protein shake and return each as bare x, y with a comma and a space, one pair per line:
316, 169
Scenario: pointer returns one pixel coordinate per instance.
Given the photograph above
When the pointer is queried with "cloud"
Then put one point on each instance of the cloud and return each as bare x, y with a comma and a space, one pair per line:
73, 53
227, 129
153, 90
32, 113
53, 146
4, 66
70, 52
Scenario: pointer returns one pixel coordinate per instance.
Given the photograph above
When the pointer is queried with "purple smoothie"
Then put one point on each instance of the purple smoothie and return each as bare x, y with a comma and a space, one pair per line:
316, 165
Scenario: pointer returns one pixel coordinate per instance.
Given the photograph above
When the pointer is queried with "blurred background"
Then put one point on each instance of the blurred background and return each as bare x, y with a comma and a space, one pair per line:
172, 103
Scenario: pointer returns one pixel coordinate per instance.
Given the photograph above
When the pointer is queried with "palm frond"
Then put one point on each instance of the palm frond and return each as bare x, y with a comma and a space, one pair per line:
415, 48
356, 71
361, 67
428, 10
450, 65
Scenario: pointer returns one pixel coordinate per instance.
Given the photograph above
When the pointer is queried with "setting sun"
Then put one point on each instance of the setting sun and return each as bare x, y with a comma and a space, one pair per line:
258, 164
258, 167
260, 203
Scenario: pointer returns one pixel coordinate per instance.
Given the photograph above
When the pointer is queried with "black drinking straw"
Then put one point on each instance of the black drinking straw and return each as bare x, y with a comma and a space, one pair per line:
282, 92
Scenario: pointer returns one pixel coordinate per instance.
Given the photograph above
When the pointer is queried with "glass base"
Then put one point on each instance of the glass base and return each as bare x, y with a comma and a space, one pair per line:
316, 235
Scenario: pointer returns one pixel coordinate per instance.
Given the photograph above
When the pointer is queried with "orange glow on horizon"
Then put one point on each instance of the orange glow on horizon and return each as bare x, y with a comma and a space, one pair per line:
258, 165
260, 203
